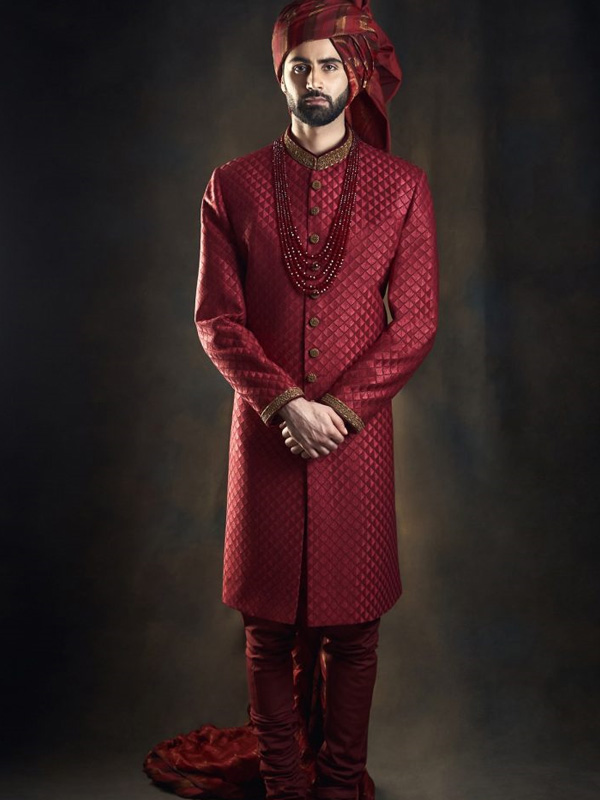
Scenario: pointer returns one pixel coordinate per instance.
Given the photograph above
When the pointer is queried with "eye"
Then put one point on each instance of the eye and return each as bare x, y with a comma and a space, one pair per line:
298, 67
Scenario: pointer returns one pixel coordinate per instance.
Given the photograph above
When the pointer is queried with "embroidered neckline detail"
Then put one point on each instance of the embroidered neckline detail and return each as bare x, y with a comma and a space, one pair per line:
323, 161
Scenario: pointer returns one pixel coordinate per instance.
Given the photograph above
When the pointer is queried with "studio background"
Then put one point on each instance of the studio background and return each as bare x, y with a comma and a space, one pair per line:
117, 424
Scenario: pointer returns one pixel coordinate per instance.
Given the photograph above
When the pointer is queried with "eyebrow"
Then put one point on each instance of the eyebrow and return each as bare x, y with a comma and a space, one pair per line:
319, 60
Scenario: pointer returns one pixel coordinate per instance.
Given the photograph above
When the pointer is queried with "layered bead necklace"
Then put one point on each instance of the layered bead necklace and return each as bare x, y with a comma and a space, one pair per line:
301, 266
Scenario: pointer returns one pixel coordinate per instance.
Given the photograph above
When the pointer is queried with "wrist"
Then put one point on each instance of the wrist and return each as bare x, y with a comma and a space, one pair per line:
291, 408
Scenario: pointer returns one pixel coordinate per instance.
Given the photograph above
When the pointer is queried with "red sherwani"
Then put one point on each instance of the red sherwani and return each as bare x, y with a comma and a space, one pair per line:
273, 343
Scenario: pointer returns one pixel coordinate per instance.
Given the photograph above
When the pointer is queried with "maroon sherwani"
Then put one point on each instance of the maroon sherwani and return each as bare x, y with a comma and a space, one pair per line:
273, 343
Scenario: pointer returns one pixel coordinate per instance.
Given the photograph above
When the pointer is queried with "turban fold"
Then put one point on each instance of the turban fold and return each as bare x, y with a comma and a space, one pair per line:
374, 73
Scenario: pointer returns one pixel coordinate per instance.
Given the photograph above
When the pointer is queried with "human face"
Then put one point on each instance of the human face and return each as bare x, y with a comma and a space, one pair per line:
315, 83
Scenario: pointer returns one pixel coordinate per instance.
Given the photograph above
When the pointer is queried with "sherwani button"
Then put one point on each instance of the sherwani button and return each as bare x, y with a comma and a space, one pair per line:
313, 352
313, 322
314, 295
315, 266
315, 210
316, 184
311, 377
314, 238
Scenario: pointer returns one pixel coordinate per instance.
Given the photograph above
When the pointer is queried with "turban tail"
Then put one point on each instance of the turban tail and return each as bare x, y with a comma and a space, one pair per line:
374, 73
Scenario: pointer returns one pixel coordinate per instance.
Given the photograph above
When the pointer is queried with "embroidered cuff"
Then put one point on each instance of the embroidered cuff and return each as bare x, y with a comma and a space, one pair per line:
344, 411
269, 411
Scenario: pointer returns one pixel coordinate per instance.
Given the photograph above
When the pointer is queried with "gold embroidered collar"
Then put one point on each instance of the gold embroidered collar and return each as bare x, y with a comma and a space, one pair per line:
323, 161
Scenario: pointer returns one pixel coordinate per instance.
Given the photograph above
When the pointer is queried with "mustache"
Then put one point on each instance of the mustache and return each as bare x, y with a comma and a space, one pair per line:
317, 95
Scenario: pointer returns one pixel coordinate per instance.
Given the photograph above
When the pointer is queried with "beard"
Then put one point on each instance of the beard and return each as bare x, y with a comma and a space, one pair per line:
317, 115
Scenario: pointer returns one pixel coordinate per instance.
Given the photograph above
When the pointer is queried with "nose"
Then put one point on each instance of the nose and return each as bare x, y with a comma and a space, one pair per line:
314, 81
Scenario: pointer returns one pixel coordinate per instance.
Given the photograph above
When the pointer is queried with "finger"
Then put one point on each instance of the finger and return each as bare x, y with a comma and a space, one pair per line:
340, 425
312, 452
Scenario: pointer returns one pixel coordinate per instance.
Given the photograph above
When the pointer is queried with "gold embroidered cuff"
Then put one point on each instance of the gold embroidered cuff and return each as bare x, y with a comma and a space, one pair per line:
343, 410
278, 402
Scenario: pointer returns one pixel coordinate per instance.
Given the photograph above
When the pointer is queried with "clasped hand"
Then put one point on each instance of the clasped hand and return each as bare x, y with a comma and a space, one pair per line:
311, 429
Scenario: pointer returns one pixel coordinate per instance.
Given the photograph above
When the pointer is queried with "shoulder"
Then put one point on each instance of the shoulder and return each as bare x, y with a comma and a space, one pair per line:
252, 166
391, 168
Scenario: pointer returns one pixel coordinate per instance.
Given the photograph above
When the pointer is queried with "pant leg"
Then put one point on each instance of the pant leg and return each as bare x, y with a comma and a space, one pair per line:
269, 670
351, 668
270, 683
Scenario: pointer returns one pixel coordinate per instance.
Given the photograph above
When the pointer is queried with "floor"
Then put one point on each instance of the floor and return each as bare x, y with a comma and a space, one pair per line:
119, 777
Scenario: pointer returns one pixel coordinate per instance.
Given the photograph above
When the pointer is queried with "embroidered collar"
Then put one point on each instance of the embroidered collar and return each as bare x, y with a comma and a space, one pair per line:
323, 161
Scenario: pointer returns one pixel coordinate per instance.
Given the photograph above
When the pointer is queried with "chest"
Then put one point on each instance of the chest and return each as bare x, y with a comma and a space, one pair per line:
379, 206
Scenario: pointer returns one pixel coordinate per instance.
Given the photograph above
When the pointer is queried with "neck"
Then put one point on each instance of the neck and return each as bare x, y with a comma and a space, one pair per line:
320, 139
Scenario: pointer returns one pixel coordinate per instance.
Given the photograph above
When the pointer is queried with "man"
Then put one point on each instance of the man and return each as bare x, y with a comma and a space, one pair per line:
299, 241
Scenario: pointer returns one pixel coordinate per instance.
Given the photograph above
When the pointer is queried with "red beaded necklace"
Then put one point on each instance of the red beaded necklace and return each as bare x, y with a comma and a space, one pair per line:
301, 265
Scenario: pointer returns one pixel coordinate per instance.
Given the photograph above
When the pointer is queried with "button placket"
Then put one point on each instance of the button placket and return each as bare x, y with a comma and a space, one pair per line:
311, 376
314, 236
314, 209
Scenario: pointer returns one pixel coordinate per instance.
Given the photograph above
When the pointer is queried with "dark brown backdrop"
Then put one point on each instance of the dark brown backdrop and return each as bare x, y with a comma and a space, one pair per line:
115, 444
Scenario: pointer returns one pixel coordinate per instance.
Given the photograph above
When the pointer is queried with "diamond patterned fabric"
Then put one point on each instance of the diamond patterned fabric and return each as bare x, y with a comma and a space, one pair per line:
260, 332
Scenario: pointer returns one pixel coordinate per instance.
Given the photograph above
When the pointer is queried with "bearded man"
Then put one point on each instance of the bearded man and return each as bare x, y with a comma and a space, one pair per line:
299, 242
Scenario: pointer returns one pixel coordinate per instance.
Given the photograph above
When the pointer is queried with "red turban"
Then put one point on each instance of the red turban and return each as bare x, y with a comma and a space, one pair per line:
373, 70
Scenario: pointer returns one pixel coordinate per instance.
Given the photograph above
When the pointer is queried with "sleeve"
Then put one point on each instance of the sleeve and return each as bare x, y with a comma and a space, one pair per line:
386, 366
220, 315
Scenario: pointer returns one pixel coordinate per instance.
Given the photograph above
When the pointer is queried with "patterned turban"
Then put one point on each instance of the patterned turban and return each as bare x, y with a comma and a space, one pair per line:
374, 73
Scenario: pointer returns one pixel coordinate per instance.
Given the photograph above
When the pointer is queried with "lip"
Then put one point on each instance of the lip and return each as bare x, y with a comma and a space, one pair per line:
315, 100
